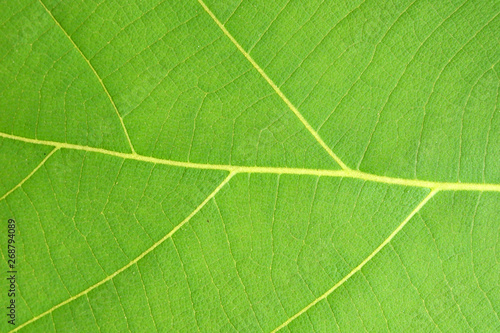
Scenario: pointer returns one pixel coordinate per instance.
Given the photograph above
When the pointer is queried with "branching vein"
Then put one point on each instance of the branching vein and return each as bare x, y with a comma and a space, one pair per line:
95, 72
363, 263
355, 174
133, 262
30, 174
275, 87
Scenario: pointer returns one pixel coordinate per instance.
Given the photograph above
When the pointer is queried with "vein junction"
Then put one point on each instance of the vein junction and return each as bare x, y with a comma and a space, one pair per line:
356, 174
95, 73
275, 88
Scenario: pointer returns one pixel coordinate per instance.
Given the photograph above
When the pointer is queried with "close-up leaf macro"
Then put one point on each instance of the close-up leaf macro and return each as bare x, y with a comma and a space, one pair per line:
249, 166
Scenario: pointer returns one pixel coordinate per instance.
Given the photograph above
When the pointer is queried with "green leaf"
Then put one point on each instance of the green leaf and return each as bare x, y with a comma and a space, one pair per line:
251, 165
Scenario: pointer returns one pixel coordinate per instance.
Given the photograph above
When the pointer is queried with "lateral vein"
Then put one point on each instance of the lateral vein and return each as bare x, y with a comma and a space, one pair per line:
133, 262
355, 174
30, 174
363, 263
95, 73
275, 87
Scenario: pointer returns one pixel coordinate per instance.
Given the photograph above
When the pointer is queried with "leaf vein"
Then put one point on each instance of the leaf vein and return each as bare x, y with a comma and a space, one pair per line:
94, 71
355, 174
276, 88
30, 174
134, 261
363, 263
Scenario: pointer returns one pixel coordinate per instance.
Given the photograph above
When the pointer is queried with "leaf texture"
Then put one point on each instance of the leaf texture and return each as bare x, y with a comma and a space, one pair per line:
251, 166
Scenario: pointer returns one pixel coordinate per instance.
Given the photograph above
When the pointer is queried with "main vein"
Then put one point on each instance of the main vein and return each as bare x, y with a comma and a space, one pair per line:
133, 262
95, 72
275, 87
363, 263
275, 170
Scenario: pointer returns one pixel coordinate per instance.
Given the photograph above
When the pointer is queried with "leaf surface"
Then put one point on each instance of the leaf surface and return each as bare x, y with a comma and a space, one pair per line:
251, 165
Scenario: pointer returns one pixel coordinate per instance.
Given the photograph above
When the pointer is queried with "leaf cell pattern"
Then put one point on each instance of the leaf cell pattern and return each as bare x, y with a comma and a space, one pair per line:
252, 165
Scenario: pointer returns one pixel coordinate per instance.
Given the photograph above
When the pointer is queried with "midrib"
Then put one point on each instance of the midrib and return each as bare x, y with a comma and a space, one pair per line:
443, 186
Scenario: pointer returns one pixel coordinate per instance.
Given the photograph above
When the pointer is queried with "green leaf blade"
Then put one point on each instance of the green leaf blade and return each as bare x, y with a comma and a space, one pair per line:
251, 166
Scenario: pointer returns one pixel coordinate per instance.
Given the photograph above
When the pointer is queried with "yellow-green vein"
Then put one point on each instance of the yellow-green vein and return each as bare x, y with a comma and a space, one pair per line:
356, 174
363, 263
444, 186
94, 71
133, 262
30, 174
275, 87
